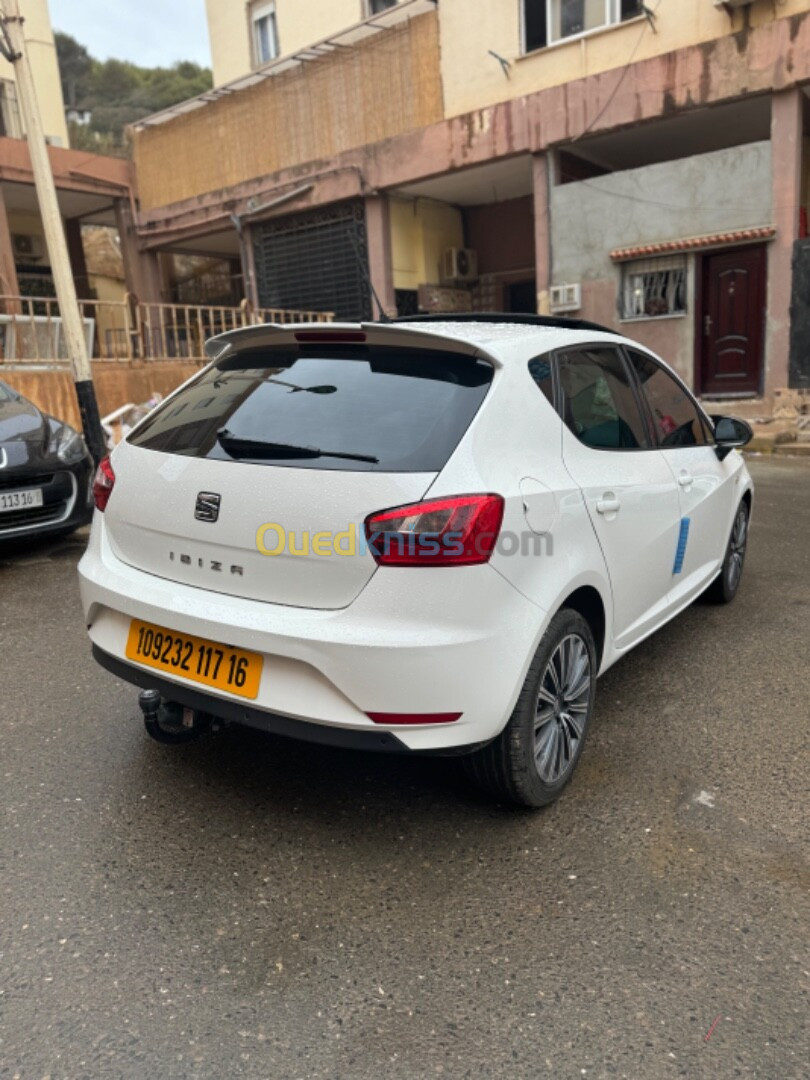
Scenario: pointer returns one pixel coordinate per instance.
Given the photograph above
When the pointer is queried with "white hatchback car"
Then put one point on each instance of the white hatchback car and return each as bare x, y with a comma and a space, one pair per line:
427, 535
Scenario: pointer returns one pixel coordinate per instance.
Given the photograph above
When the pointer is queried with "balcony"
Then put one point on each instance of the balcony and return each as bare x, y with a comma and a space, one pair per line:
370, 83
125, 331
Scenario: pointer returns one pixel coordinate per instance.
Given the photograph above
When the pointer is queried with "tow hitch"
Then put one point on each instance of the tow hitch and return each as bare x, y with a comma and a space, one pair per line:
171, 723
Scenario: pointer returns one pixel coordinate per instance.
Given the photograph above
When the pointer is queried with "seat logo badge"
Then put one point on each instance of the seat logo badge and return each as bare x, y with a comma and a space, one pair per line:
207, 508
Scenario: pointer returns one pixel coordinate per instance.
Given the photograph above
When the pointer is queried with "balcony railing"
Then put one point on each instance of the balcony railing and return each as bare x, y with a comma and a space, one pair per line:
32, 332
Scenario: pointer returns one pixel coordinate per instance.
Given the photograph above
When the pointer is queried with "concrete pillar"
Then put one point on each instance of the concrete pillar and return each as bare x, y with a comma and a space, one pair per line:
250, 281
9, 286
381, 270
78, 263
786, 155
542, 229
141, 268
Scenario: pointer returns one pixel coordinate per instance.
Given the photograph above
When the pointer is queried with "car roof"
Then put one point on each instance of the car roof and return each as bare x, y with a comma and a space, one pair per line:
491, 334
502, 339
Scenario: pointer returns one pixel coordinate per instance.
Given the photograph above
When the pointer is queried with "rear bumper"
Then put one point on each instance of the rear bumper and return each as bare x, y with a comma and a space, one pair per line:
415, 641
237, 712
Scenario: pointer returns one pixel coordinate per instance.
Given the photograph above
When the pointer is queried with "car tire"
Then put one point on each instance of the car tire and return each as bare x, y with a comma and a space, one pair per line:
724, 587
534, 757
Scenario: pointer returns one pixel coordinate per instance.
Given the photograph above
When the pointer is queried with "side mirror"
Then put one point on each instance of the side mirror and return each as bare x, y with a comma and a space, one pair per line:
730, 434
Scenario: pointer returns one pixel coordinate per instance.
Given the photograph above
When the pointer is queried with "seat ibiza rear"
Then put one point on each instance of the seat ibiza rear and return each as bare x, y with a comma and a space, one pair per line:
424, 537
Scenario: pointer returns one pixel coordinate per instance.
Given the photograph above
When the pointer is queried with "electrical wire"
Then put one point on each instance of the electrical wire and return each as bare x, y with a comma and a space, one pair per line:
621, 78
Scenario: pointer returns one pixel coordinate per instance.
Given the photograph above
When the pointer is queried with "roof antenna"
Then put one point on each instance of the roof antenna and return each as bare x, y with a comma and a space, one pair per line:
361, 262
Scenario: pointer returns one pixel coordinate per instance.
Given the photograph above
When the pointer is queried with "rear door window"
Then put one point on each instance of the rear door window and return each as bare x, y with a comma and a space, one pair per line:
357, 408
599, 403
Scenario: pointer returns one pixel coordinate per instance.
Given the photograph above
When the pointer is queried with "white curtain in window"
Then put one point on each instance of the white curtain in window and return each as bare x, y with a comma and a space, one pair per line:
569, 17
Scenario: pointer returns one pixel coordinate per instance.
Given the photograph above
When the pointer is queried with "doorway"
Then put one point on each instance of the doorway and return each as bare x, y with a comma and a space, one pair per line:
521, 297
731, 322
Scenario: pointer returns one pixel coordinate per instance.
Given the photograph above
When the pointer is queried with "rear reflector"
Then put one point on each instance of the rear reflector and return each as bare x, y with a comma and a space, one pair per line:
461, 530
103, 483
400, 719
343, 337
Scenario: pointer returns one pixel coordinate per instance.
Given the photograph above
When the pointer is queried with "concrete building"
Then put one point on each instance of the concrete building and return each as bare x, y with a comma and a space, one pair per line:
91, 189
640, 165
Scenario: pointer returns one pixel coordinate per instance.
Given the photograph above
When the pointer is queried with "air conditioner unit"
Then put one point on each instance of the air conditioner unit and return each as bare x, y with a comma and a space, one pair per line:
733, 3
459, 264
27, 247
565, 298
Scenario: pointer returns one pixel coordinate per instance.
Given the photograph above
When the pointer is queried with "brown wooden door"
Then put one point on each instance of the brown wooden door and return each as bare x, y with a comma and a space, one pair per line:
731, 325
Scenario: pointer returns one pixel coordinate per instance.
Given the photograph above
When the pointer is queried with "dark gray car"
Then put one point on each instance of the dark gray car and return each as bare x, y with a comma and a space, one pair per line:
45, 471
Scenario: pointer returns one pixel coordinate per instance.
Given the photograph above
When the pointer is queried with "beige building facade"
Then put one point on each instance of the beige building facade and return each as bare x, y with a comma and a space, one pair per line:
45, 67
640, 165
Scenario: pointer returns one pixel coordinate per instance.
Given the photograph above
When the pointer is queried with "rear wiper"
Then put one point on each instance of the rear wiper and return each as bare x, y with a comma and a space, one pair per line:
254, 448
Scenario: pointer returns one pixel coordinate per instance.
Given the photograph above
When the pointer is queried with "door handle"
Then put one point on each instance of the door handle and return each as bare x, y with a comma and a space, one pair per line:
708, 323
686, 480
608, 506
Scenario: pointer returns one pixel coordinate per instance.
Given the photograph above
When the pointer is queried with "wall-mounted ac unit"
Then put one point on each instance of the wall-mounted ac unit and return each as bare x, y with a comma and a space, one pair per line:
27, 248
565, 298
459, 264
733, 3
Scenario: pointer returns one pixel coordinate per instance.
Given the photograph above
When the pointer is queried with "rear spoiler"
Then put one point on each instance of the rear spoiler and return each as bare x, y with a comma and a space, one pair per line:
391, 334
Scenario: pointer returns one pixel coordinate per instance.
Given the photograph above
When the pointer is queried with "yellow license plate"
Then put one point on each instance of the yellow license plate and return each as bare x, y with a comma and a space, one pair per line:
194, 658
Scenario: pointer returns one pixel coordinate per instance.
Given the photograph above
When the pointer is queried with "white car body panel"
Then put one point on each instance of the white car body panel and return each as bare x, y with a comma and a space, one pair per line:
709, 493
639, 538
155, 529
342, 637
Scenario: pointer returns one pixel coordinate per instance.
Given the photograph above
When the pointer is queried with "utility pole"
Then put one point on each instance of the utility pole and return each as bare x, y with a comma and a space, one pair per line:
13, 48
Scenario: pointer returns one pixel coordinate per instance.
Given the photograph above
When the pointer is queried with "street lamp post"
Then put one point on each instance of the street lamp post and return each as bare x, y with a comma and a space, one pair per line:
13, 47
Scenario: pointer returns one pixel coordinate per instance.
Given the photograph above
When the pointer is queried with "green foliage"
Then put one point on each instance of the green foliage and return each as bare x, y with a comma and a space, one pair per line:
118, 93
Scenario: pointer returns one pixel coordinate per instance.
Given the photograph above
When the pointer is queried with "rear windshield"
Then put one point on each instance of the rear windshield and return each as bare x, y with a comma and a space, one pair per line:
361, 409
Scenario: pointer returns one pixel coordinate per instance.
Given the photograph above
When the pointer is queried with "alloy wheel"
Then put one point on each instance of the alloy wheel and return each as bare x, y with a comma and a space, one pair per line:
562, 708
739, 539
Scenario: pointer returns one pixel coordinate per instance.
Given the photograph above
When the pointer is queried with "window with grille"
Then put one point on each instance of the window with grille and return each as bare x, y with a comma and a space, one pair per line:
316, 261
653, 289
265, 33
548, 21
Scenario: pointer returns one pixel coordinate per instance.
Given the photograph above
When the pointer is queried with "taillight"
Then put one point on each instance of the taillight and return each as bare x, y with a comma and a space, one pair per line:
461, 530
103, 483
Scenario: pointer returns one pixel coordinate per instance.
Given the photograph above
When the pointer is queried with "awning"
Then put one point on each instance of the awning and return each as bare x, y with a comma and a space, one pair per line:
694, 243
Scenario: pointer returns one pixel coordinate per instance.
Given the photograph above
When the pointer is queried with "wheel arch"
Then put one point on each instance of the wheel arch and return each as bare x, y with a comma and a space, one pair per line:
587, 601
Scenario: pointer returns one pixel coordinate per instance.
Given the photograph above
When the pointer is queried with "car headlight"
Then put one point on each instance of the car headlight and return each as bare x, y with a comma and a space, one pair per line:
70, 446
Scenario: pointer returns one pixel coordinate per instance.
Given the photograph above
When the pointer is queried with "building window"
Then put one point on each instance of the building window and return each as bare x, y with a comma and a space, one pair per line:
653, 289
377, 7
265, 33
9, 110
548, 21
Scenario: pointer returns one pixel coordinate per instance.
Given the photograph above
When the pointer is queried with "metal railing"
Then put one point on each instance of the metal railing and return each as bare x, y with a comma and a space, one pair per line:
125, 330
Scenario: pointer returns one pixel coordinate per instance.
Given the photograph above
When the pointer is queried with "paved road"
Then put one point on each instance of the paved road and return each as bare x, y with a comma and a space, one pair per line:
249, 907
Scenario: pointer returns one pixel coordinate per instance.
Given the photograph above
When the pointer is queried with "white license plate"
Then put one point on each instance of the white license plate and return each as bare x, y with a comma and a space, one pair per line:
20, 500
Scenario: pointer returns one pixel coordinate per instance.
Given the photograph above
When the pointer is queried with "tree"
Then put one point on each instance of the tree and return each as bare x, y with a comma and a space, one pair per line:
118, 93
74, 67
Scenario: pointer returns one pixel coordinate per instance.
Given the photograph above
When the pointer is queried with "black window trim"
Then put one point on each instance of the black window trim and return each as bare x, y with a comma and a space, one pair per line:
556, 389
633, 383
702, 414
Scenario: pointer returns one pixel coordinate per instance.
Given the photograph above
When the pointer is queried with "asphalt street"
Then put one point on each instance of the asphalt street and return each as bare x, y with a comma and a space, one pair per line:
253, 907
